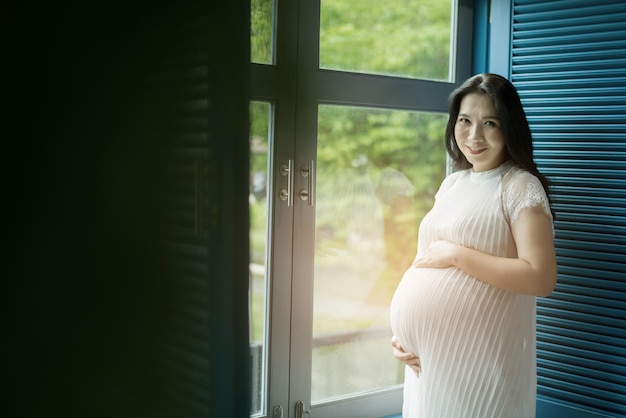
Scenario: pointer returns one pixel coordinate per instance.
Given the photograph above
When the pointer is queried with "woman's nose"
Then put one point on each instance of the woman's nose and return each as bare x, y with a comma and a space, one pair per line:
475, 133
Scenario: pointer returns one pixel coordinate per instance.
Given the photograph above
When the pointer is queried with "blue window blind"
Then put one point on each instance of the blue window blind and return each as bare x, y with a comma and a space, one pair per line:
568, 61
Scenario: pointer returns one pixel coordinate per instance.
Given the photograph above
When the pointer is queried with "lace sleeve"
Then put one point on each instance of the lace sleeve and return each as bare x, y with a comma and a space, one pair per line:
525, 191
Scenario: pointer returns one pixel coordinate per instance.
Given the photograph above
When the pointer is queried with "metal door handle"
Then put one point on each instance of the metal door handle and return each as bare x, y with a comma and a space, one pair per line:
300, 410
278, 412
287, 194
308, 172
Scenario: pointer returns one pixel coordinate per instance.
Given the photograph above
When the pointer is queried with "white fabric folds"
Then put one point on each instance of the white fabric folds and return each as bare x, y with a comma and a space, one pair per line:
476, 343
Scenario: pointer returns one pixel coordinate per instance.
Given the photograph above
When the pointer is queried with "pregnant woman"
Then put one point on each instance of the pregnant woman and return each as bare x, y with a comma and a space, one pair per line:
463, 316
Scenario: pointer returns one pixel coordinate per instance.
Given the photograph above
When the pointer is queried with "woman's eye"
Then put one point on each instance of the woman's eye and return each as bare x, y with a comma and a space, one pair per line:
463, 120
490, 123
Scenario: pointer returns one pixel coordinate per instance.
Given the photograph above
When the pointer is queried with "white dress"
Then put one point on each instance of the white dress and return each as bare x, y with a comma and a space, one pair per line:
476, 343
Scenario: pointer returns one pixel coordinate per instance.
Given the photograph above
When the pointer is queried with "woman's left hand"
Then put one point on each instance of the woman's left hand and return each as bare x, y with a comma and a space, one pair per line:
410, 359
440, 254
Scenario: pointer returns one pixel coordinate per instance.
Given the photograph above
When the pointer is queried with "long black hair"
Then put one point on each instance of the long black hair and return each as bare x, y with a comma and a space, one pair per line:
518, 140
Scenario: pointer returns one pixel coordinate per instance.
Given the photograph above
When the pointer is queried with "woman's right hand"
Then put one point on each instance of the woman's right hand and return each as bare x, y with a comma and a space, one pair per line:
410, 359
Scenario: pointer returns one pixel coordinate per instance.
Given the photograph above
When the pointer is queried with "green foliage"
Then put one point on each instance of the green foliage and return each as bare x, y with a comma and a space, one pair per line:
261, 31
400, 37
409, 142
378, 171
259, 133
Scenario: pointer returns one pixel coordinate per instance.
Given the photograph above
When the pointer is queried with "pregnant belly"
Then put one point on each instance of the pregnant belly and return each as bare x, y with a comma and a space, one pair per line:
428, 305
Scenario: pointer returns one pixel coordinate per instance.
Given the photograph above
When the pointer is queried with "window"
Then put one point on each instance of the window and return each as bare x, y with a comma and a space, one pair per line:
348, 113
410, 39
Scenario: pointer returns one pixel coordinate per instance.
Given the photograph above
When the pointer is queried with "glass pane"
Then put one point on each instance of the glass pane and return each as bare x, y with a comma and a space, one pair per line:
261, 31
377, 173
408, 38
260, 117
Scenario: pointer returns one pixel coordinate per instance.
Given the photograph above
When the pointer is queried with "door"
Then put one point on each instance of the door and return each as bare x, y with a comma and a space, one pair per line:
348, 114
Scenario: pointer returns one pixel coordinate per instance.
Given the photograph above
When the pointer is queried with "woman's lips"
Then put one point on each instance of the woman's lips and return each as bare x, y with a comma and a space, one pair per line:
475, 151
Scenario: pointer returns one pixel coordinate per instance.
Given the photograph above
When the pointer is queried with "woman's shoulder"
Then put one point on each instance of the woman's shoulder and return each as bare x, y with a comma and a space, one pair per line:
522, 189
518, 177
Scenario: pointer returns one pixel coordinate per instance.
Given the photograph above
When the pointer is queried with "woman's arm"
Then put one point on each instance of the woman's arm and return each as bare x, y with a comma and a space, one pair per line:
533, 272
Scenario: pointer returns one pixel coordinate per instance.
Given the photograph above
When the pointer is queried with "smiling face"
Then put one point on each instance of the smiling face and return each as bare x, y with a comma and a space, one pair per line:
478, 132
